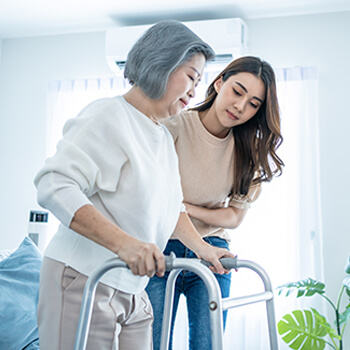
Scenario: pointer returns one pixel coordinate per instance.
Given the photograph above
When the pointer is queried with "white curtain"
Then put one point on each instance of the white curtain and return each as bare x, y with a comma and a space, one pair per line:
66, 98
282, 231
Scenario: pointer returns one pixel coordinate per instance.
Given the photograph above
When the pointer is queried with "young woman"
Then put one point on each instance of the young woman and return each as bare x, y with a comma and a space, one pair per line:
227, 148
114, 185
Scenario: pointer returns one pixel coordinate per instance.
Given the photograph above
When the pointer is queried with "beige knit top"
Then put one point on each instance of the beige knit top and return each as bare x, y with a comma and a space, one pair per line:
206, 165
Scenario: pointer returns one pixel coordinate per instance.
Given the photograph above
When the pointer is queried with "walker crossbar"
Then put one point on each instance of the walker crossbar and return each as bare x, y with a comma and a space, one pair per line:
229, 303
216, 303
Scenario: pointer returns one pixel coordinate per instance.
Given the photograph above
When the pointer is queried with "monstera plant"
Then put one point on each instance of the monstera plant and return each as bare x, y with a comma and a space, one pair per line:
308, 329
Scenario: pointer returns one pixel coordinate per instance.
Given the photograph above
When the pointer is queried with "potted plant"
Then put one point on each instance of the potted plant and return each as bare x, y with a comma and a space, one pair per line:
308, 329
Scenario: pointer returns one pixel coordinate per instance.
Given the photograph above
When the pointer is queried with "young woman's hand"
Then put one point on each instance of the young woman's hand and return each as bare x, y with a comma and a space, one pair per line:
212, 255
188, 235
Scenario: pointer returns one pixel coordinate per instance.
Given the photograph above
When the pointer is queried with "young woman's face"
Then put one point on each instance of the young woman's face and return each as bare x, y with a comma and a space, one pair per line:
181, 85
239, 99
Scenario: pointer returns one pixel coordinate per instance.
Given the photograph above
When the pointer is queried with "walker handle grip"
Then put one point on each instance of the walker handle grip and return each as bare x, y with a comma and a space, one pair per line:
227, 263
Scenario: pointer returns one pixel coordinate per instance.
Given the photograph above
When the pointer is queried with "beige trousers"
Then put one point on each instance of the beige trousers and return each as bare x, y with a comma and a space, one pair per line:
119, 320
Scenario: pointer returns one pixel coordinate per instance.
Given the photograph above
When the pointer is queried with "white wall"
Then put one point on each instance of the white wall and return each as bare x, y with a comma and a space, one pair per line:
0, 50
27, 67
28, 64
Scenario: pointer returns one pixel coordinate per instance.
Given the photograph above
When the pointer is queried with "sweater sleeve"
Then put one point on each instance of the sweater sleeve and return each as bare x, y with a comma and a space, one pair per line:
60, 195
244, 202
89, 158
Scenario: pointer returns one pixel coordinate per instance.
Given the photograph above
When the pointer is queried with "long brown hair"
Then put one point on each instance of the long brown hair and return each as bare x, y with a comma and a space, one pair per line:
257, 140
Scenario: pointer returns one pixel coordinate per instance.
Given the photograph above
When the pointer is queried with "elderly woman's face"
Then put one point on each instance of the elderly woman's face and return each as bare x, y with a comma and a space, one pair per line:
181, 85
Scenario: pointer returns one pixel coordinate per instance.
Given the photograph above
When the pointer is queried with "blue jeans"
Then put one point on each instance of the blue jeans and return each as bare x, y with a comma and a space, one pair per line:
195, 291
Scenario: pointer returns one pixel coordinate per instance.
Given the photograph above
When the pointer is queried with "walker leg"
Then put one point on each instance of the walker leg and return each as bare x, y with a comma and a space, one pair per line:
88, 301
215, 304
168, 309
271, 318
267, 296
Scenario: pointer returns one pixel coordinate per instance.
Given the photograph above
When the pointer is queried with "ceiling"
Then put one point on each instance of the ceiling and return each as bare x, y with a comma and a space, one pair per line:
21, 18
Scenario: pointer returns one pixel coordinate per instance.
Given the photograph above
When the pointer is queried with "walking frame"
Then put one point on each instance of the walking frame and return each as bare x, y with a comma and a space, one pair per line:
217, 304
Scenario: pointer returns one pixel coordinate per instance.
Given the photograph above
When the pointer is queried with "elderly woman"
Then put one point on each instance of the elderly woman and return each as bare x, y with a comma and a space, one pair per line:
114, 185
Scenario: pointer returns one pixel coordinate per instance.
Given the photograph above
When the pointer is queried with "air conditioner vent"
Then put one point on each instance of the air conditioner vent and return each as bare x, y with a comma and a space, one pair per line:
228, 38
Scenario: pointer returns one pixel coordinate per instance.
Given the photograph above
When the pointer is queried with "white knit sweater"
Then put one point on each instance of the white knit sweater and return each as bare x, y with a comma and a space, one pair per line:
113, 157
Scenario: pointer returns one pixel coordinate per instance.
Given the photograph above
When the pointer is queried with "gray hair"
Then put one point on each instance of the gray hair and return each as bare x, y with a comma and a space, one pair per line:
160, 51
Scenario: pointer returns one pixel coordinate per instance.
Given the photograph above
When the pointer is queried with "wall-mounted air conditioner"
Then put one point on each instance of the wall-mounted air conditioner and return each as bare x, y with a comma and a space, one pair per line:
228, 38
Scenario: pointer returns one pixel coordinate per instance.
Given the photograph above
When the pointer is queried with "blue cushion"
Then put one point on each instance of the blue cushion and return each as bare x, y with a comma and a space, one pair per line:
19, 290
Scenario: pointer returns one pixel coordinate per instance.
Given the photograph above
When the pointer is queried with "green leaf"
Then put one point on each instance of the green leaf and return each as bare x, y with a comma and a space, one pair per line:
321, 320
345, 316
307, 287
346, 282
302, 330
347, 266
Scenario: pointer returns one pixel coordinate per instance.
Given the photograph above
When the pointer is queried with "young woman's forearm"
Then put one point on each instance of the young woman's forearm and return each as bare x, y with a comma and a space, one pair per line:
222, 217
188, 235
